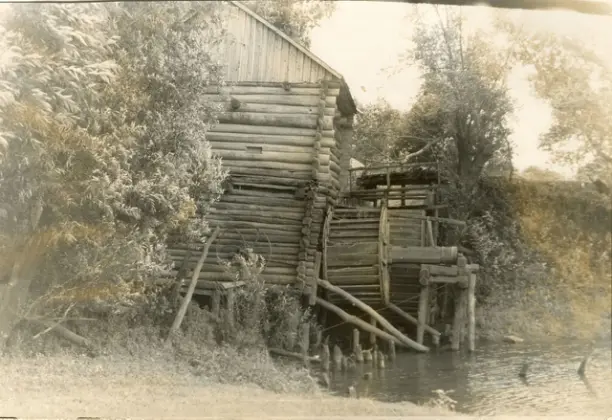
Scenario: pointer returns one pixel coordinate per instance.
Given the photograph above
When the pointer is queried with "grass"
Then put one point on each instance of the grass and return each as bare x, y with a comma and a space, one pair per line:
67, 385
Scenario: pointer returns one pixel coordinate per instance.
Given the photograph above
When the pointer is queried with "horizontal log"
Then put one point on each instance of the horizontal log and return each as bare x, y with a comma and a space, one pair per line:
331, 84
268, 130
255, 148
433, 219
231, 163
276, 120
299, 356
285, 211
298, 100
263, 227
352, 210
245, 215
258, 179
228, 220
242, 106
268, 90
289, 177
440, 255
355, 221
307, 140
258, 156
273, 201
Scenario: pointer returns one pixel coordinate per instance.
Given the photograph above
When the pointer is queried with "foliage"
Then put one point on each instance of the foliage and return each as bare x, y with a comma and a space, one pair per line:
104, 153
378, 128
296, 18
545, 249
463, 101
577, 84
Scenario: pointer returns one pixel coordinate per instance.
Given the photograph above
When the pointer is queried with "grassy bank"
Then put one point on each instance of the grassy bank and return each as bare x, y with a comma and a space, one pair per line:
158, 386
545, 247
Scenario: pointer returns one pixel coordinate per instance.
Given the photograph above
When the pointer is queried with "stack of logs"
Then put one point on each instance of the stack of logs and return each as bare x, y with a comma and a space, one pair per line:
278, 143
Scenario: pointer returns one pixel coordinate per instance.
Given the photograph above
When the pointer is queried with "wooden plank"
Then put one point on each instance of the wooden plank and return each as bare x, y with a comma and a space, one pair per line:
362, 248
424, 255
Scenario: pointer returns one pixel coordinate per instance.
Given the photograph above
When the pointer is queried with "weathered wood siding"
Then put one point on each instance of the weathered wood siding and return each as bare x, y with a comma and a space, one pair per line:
254, 51
279, 146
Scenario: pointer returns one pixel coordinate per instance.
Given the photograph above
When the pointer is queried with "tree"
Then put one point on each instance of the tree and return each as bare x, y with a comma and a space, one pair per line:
378, 128
295, 18
577, 84
103, 148
464, 104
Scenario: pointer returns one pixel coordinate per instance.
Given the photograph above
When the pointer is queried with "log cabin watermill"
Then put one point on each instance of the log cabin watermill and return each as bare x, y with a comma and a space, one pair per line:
285, 138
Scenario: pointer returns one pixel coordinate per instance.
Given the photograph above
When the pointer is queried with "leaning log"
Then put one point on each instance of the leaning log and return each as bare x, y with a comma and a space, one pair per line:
192, 285
435, 333
65, 333
375, 315
356, 321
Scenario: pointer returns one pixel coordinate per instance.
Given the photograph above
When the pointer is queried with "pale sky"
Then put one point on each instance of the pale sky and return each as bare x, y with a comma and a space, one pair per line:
361, 39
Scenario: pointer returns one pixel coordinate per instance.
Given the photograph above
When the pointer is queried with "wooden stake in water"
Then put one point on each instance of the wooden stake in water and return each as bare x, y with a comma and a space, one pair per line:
585, 360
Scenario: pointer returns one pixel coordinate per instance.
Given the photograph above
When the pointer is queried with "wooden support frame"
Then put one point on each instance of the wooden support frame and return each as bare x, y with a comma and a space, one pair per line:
412, 320
383, 254
393, 332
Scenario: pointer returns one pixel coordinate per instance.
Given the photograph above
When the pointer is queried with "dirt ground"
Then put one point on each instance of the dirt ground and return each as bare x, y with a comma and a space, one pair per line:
71, 387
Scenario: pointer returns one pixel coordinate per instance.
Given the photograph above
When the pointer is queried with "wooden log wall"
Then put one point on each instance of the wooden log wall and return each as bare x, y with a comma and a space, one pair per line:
353, 254
277, 141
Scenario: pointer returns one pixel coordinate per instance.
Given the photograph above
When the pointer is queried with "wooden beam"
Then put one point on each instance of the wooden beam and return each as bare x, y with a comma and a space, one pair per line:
417, 254
471, 312
357, 322
413, 320
382, 321
437, 219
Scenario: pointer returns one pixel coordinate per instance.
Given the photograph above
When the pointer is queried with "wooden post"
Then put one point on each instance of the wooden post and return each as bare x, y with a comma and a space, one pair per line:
430, 234
381, 359
337, 357
423, 307
305, 342
391, 350
471, 311
325, 357
460, 303
312, 297
230, 302
318, 340
372, 335
215, 304
358, 354
356, 342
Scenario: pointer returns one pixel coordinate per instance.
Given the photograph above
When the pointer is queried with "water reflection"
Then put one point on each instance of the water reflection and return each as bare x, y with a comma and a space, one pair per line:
488, 381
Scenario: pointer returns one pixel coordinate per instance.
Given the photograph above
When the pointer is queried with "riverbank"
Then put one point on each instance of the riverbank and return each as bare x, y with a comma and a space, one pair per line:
69, 386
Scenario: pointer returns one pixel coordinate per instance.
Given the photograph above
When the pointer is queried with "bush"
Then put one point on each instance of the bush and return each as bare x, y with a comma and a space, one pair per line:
544, 248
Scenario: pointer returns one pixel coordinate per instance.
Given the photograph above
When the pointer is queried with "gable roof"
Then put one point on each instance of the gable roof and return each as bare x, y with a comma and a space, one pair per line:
287, 38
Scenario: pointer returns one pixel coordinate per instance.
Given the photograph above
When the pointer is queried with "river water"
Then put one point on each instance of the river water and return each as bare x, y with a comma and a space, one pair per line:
488, 383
